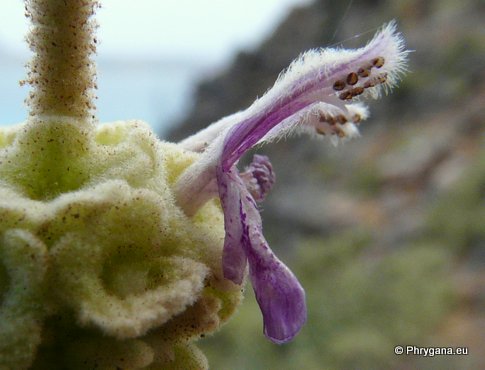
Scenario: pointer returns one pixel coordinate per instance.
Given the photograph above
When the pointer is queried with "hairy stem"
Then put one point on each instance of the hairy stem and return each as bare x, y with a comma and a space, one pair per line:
62, 73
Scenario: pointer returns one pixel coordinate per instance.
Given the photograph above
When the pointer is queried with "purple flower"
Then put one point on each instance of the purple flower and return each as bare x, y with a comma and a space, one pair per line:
316, 95
259, 177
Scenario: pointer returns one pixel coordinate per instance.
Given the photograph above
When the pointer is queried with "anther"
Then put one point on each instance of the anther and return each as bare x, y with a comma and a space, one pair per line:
356, 118
363, 72
369, 84
331, 120
327, 119
341, 119
320, 131
352, 78
378, 62
339, 85
346, 95
357, 91
382, 78
340, 133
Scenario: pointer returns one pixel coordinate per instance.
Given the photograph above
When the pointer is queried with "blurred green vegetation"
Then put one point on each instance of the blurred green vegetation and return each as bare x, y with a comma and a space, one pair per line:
366, 181
457, 219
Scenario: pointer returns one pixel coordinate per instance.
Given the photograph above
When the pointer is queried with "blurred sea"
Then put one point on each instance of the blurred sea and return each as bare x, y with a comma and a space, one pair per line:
155, 91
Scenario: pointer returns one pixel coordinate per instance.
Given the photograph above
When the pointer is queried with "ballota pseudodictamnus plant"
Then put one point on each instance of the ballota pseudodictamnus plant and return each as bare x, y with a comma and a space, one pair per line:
118, 250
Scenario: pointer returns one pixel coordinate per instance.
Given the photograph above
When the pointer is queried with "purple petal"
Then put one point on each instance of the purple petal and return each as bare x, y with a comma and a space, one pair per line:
259, 177
280, 296
246, 134
233, 256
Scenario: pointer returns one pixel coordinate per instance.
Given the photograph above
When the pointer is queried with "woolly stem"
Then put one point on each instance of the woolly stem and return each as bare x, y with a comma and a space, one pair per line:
62, 73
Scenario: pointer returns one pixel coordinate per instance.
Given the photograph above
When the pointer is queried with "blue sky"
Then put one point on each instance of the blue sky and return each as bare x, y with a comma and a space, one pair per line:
212, 29
205, 33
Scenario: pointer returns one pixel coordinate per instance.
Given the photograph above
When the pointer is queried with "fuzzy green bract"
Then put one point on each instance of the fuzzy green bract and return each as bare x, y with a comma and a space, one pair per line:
97, 263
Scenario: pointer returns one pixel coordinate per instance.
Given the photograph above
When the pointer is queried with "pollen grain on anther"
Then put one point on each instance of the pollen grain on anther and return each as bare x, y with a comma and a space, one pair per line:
369, 84
357, 91
382, 78
340, 133
339, 85
378, 62
352, 78
320, 131
341, 119
363, 72
346, 95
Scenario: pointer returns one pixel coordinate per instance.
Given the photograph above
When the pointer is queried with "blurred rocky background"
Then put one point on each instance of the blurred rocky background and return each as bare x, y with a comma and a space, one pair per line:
386, 232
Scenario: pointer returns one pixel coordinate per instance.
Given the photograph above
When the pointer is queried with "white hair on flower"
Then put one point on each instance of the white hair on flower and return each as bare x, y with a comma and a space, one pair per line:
333, 76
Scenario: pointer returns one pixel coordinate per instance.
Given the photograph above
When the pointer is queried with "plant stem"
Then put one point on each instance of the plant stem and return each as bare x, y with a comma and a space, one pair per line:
62, 73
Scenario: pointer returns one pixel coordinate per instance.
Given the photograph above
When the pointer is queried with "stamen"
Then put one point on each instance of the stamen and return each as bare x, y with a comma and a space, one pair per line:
346, 95
349, 94
320, 131
340, 133
363, 72
382, 78
339, 124
378, 62
327, 118
352, 78
339, 85
341, 119
369, 84
357, 91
